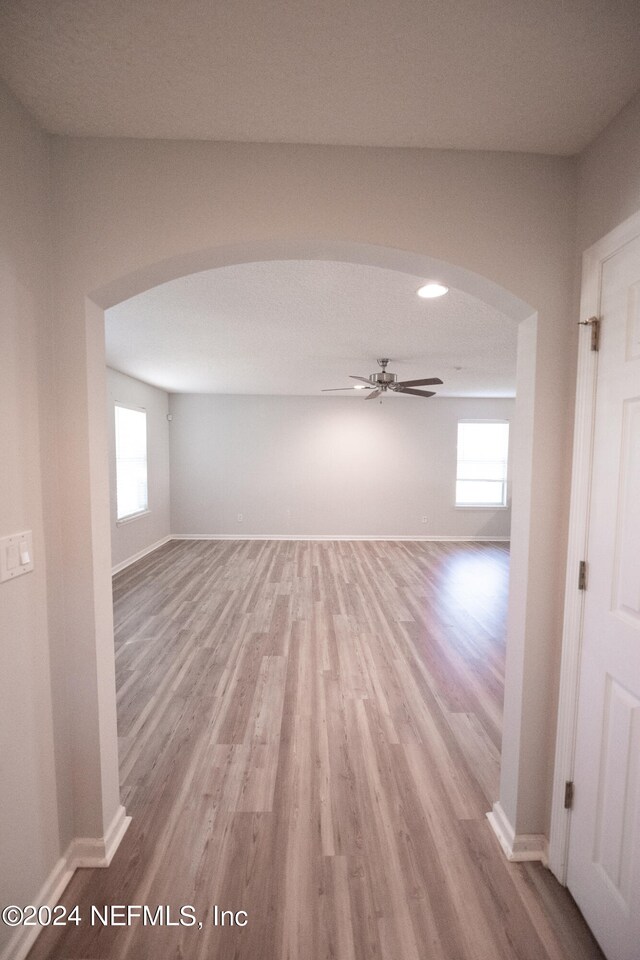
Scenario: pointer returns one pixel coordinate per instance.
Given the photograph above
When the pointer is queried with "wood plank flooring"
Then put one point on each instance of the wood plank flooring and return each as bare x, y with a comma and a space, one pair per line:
310, 732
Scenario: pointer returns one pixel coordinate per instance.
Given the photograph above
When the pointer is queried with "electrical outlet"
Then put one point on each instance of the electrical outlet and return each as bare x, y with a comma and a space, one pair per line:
425, 519
240, 517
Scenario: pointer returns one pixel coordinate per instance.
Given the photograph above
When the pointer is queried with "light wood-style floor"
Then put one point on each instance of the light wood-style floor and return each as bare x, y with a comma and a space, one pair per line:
310, 732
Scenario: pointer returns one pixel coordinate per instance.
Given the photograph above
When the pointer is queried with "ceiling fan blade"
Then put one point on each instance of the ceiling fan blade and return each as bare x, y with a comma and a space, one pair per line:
415, 393
364, 379
331, 389
419, 383
374, 393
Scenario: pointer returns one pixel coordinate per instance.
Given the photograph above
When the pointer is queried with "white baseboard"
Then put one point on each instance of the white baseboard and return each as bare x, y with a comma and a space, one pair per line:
323, 537
141, 553
525, 846
49, 894
98, 852
81, 852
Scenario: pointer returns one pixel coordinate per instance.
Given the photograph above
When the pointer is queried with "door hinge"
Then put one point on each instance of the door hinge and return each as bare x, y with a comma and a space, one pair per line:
594, 323
568, 795
582, 575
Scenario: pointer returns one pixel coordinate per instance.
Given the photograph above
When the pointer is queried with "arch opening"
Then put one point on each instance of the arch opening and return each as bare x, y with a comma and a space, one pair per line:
153, 275
403, 261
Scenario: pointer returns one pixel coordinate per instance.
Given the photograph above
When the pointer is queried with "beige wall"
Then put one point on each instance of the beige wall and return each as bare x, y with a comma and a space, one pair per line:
323, 466
30, 829
135, 536
609, 177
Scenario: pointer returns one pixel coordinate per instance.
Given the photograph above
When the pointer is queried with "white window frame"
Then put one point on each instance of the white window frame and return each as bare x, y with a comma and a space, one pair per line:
505, 488
128, 517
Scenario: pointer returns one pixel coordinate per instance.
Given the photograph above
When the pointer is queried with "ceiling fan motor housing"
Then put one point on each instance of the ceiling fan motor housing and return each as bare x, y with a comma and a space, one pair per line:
383, 378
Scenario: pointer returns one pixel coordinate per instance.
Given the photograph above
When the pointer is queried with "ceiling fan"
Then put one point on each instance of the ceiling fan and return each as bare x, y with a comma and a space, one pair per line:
379, 383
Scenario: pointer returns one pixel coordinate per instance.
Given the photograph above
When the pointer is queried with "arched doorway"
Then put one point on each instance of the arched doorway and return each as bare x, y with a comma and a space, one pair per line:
101, 807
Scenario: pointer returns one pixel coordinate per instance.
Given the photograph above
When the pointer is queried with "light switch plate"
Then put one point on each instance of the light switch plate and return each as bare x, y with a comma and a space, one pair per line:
11, 550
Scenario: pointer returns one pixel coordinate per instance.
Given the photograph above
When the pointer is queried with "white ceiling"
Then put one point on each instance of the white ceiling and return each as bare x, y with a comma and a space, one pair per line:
525, 75
296, 326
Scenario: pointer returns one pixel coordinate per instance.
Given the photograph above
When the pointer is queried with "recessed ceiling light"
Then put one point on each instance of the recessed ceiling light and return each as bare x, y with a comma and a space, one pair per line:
431, 290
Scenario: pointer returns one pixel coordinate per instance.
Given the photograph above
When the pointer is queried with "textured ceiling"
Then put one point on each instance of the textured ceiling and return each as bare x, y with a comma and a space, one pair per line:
294, 327
525, 75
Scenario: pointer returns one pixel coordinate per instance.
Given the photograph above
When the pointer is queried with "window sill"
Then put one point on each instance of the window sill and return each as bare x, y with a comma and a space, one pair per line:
132, 516
481, 506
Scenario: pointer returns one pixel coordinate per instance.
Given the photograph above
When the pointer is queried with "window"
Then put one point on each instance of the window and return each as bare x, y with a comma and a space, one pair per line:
481, 478
131, 461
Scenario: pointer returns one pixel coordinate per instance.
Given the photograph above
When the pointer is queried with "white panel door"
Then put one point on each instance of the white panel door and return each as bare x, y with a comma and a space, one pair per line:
604, 850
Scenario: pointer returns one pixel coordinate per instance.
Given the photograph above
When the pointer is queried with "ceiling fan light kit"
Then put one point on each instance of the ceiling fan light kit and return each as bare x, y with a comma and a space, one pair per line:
379, 383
